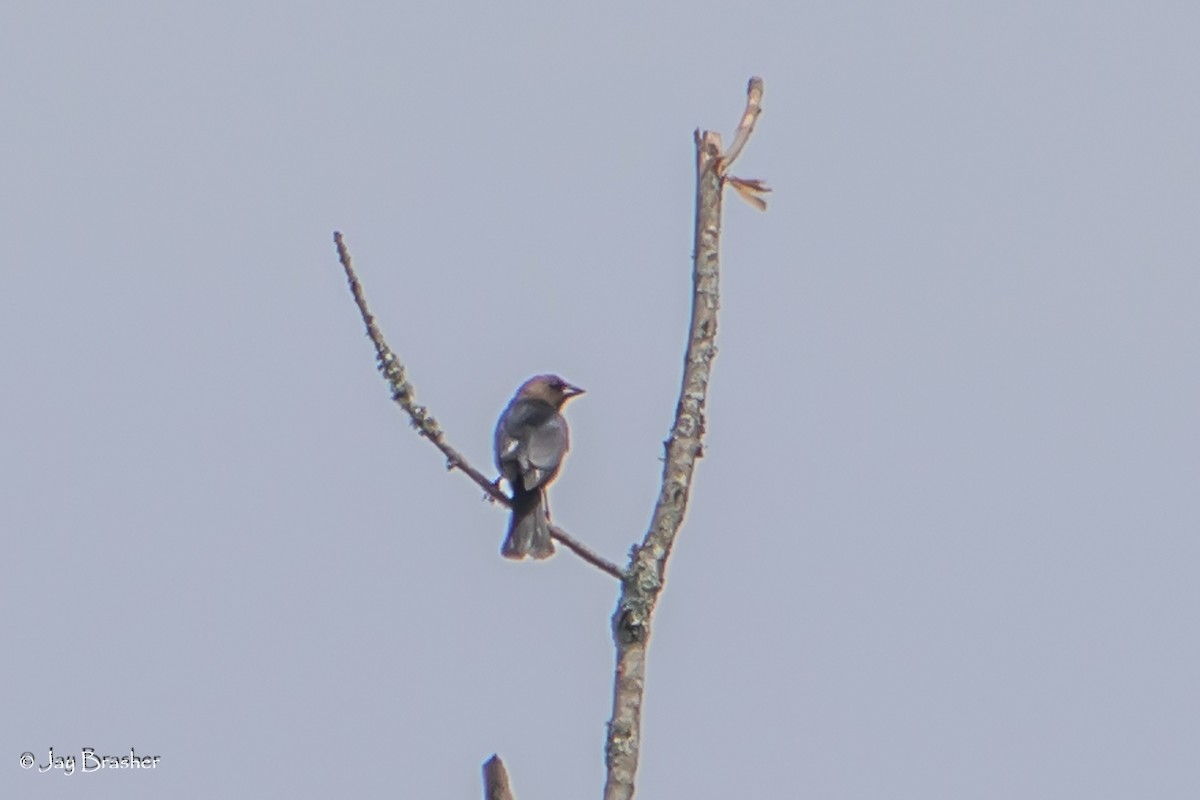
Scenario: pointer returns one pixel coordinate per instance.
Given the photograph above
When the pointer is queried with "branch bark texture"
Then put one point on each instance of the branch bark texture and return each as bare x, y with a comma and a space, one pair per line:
647, 567
495, 780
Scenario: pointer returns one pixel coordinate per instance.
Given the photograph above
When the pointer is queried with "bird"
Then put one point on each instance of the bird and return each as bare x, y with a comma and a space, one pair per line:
531, 440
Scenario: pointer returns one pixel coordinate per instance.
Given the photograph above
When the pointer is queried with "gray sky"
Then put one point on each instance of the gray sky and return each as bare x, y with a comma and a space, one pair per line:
944, 541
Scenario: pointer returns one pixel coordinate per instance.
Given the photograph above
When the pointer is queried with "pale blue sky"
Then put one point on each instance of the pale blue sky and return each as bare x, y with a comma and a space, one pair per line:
944, 542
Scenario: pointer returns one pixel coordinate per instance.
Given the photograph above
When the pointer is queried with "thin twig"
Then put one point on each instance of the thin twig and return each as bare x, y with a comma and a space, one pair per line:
587, 555
647, 565
754, 95
405, 396
749, 189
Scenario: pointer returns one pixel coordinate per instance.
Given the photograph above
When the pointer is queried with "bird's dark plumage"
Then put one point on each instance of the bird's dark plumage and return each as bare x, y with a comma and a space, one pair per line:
531, 440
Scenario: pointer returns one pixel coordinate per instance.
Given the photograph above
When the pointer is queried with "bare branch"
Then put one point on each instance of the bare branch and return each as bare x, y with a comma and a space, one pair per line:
495, 780
647, 566
587, 555
754, 95
749, 189
405, 396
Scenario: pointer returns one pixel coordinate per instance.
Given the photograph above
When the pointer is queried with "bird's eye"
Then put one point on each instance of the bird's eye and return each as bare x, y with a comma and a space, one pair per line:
557, 385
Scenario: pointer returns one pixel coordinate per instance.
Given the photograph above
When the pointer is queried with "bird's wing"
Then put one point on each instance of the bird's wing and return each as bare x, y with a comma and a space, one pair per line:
544, 450
511, 431
507, 454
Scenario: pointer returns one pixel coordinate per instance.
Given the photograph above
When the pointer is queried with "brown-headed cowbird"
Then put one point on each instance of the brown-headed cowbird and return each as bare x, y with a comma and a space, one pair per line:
531, 440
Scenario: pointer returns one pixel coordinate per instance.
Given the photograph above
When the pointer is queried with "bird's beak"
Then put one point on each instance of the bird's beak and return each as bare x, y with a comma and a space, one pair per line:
570, 391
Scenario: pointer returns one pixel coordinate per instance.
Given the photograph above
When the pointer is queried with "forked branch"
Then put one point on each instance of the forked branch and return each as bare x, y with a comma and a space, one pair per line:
642, 581
648, 563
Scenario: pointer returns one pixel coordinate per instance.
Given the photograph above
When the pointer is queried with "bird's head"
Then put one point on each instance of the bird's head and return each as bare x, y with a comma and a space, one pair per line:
550, 389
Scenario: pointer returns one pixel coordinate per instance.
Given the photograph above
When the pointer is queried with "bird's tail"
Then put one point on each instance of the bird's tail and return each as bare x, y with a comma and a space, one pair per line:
529, 527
